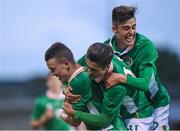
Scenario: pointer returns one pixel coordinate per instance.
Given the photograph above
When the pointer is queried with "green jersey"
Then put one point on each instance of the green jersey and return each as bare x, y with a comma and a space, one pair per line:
41, 104
129, 99
141, 58
92, 102
135, 104
81, 85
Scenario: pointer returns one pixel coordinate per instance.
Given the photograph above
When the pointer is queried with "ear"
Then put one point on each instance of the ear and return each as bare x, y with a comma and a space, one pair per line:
67, 65
114, 29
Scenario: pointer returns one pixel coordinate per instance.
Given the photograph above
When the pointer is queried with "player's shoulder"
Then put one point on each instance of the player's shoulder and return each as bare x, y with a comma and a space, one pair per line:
145, 44
118, 66
107, 41
41, 97
81, 79
41, 100
144, 41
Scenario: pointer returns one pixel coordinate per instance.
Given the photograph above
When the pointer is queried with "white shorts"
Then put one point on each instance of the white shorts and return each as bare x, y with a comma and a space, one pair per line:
142, 124
161, 115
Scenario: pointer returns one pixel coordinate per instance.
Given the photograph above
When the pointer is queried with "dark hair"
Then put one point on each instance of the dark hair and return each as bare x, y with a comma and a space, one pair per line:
100, 53
123, 13
59, 51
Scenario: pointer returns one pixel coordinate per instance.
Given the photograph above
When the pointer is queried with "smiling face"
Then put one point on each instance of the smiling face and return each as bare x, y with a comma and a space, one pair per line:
58, 69
125, 33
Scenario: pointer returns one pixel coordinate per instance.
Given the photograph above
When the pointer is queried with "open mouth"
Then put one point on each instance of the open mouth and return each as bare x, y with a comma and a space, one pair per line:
130, 39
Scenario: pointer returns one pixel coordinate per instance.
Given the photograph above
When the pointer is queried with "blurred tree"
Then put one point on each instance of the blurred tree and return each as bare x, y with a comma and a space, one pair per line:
168, 65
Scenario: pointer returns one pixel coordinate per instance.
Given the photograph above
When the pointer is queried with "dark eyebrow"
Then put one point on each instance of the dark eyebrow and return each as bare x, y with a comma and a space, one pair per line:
91, 68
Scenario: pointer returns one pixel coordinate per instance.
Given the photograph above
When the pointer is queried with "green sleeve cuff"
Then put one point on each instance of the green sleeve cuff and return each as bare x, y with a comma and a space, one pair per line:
76, 115
99, 120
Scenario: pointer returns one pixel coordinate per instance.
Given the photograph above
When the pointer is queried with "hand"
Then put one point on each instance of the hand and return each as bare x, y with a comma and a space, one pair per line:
49, 113
71, 97
69, 119
68, 109
114, 79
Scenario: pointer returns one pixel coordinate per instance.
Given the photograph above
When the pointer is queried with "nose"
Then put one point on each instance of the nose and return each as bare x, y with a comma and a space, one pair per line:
131, 31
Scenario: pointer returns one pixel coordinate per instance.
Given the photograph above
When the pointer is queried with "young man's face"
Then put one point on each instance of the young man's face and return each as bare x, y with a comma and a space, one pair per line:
95, 70
58, 69
126, 32
54, 84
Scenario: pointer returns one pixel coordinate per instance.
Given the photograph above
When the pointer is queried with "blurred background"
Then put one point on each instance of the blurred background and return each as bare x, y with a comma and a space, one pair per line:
29, 27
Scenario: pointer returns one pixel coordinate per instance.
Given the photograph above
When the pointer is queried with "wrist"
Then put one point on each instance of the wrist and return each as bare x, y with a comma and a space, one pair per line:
125, 79
72, 113
122, 78
43, 119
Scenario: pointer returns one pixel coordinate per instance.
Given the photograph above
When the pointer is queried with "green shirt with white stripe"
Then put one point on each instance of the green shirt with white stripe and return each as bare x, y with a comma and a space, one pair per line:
108, 113
82, 85
130, 103
141, 58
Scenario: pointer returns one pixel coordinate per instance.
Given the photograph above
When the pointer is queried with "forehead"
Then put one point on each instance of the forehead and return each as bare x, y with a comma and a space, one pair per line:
129, 22
92, 65
52, 63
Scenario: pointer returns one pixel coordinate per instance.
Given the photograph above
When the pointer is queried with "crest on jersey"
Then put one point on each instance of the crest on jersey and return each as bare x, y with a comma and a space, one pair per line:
128, 60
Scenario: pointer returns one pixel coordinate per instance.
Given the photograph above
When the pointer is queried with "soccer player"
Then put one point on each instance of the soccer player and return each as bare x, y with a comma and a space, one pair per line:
43, 114
60, 61
140, 54
132, 104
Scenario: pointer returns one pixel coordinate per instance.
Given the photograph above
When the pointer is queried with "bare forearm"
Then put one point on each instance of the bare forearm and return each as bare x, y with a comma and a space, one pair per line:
35, 124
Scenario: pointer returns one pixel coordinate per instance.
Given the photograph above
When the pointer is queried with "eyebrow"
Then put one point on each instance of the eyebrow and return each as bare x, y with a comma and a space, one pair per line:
91, 67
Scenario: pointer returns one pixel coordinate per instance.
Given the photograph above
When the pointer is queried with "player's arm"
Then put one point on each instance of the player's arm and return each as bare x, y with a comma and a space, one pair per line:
146, 72
39, 118
69, 119
111, 106
143, 81
146, 69
48, 115
99, 120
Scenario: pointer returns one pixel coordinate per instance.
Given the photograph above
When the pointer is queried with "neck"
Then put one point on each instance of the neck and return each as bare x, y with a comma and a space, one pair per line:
73, 69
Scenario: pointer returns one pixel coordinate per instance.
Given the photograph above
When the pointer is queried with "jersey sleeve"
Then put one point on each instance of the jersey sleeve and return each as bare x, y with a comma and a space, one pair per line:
82, 86
99, 120
106, 41
141, 82
38, 110
113, 99
146, 69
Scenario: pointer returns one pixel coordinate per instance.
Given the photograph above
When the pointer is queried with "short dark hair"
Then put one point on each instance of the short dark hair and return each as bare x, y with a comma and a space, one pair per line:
59, 51
121, 14
100, 53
